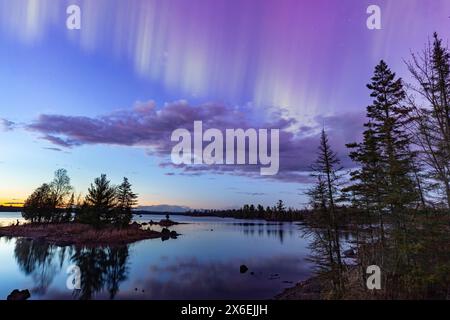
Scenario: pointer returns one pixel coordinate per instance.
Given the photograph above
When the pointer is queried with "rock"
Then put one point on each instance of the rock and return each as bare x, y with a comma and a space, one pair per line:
173, 234
350, 253
165, 234
19, 295
167, 223
135, 225
243, 268
307, 290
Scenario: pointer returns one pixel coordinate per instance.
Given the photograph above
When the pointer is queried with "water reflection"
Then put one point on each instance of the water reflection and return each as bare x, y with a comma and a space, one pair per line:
271, 230
191, 278
38, 259
102, 268
202, 264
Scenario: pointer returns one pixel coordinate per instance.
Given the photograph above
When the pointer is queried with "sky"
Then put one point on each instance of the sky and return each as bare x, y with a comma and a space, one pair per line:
105, 98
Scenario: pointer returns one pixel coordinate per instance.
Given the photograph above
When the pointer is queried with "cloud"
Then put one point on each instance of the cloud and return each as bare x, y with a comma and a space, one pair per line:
53, 149
150, 127
253, 193
6, 125
164, 208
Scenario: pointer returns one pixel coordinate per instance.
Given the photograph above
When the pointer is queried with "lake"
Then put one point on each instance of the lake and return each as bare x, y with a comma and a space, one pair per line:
203, 263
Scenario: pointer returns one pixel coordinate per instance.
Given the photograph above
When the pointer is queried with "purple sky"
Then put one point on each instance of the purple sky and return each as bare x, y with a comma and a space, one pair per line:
106, 98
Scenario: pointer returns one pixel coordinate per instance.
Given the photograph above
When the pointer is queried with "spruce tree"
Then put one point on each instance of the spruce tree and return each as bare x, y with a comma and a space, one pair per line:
385, 156
126, 200
325, 194
369, 182
100, 202
327, 167
318, 195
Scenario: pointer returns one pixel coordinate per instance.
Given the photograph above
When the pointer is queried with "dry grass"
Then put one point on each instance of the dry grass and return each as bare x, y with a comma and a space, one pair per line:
79, 234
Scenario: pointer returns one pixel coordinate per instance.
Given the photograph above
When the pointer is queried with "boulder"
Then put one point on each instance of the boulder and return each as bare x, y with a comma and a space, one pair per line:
135, 225
19, 295
165, 234
167, 223
243, 268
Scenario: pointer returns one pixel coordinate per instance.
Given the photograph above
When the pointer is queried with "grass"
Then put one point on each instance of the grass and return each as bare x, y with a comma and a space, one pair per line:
79, 234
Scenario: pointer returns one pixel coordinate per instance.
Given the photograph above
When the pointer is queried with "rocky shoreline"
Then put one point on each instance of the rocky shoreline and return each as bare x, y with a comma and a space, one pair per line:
310, 289
320, 287
66, 234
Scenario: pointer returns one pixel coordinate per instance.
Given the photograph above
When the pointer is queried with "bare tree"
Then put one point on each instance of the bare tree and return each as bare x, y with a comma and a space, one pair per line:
431, 70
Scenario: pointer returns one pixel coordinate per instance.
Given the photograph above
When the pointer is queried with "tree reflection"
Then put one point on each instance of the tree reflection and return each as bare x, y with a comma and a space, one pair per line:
37, 259
102, 268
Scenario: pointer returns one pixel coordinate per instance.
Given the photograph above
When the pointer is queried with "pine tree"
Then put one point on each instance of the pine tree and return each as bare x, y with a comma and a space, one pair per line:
369, 181
318, 195
100, 202
260, 209
126, 200
280, 206
326, 169
387, 140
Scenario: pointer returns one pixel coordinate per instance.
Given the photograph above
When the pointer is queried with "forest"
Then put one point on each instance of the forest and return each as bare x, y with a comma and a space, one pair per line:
395, 201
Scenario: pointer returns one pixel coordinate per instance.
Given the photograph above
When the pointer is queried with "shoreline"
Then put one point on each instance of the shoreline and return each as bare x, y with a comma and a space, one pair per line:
77, 234
309, 289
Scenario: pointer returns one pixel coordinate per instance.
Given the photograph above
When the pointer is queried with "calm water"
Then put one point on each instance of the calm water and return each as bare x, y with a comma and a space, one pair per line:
203, 263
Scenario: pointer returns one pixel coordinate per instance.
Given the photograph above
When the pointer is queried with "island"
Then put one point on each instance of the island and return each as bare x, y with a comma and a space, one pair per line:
65, 234
103, 218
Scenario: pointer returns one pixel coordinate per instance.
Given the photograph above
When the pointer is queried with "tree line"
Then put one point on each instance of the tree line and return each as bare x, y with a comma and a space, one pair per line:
402, 170
104, 203
278, 212
403, 160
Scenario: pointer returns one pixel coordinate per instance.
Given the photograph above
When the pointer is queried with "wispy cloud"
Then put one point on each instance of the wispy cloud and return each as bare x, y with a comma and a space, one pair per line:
253, 193
53, 149
7, 125
164, 208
